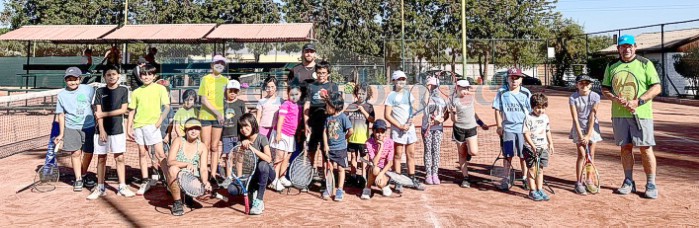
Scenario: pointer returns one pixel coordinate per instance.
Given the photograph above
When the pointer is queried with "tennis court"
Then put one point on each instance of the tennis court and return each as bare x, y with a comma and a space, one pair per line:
445, 205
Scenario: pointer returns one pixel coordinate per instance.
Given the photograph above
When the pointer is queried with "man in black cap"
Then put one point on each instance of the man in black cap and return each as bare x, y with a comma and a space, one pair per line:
304, 73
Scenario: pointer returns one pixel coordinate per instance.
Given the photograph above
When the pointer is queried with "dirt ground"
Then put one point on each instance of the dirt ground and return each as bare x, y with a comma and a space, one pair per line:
445, 205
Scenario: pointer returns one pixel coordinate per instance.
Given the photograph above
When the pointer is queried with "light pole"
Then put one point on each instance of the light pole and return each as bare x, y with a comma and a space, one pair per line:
463, 38
402, 37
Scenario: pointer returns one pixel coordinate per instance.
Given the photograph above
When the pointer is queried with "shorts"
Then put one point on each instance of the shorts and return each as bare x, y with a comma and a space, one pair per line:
212, 123
147, 135
115, 144
529, 157
626, 132
512, 144
339, 157
357, 147
461, 135
316, 141
229, 143
266, 131
77, 139
596, 136
287, 143
404, 137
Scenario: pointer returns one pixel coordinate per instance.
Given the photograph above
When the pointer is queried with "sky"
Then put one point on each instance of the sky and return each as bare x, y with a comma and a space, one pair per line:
600, 15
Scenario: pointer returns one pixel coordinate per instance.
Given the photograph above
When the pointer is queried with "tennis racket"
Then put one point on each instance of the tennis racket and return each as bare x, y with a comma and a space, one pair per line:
418, 97
301, 170
626, 85
395, 177
505, 173
329, 175
245, 166
47, 174
537, 166
590, 175
190, 184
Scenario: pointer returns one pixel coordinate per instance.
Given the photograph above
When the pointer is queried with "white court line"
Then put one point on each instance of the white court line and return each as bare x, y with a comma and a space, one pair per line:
433, 219
676, 138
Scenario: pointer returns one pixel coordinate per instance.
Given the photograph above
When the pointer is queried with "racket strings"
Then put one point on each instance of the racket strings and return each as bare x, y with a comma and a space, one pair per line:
190, 184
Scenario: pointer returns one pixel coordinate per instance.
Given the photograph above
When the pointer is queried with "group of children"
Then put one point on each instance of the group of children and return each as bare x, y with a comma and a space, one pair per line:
92, 121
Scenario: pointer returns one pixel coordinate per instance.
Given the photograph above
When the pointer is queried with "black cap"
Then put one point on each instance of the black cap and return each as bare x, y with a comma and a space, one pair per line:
380, 124
309, 46
583, 78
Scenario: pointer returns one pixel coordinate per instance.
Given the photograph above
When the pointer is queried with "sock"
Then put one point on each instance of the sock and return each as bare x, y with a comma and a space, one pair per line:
650, 178
100, 187
628, 174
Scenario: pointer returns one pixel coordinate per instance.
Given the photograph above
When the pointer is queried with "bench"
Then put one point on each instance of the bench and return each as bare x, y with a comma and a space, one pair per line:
689, 91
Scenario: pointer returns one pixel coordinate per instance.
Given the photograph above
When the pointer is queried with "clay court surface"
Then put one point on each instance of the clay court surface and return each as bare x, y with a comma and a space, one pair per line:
445, 205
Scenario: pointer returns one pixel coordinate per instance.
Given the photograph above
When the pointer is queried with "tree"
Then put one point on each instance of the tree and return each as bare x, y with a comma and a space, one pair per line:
687, 65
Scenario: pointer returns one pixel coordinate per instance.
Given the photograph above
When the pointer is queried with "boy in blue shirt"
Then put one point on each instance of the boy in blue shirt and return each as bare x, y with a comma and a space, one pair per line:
337, 129
511, 106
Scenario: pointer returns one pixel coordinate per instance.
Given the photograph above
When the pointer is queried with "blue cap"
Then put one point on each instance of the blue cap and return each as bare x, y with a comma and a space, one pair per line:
626, 39
380, 124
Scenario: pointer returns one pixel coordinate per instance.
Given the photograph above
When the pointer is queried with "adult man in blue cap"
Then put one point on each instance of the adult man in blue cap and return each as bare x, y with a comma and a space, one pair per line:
631, 83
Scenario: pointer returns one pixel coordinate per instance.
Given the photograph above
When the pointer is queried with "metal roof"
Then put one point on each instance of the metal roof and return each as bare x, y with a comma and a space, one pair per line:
675, 41
295, 32
161, 33
58, 33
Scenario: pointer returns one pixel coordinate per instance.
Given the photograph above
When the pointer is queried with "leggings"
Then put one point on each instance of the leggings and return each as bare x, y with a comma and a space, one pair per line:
263, 175
433, 143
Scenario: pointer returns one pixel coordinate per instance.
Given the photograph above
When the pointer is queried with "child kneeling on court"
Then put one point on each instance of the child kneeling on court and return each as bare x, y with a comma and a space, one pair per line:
537, 134
187, 153
337, 129
252, 140
380, 151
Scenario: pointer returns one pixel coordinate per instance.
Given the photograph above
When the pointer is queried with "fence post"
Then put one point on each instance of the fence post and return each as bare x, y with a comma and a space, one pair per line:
662, 51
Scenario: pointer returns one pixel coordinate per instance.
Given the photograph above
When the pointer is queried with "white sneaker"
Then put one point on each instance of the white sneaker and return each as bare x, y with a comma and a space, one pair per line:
278, 186
145, 186
125, 192
96, 193
386, 191
285, 182
366, 194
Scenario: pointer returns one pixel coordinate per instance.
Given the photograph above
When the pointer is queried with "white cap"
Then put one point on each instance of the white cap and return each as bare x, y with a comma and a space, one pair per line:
398, 74
432, 81
233, 84
220, 58
463, 83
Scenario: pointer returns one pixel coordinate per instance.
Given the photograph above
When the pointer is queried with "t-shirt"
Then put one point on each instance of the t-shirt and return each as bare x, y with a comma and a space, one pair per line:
268, 108
110, 100
232, 113
513, 107
314, 91
630, 80
213, 90
435, 108
584, 105
465, 112
290, 112
360, 130
336, 128
538, 126
301, 74
77, 107
400, 102
181, 116
260, 143
386, 154
148, 101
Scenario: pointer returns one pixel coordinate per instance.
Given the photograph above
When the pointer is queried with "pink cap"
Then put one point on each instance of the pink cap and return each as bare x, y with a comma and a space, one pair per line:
220, 58
432, 81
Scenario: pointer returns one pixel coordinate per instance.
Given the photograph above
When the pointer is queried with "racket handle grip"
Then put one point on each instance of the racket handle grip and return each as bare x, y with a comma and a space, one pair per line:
221, 197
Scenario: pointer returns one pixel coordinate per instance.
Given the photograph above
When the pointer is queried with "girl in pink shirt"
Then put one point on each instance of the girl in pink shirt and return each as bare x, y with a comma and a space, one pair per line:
380, 151
268, 107
282, 144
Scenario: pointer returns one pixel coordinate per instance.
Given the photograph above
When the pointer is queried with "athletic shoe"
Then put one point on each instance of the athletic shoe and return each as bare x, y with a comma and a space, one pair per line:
543, 195
435, 179
428, 180
534, 195
277, 185
591, 187
580, 189
285, 182
366, 193
145, 186
226, 182
417, 185
339, 195
305, 189
399, 188
627, 187
78, 186
465, 183
257, 207
326, 195
126, 192
96, 193
651, 191
386, 191
177, 208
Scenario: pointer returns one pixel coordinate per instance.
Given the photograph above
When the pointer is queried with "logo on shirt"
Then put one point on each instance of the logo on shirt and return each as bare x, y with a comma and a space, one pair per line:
333, 129
625, 85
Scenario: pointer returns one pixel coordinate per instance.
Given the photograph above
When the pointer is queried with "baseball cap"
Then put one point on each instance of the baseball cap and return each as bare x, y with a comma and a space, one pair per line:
73, 71
398, 74
626, 39
583, 78
192, 122
463, 83
220, 58
141, 60
309, 46
233, 84
380, 124
515, 72
432, 81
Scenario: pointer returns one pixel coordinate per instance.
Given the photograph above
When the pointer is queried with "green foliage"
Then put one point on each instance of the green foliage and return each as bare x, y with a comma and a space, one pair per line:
687, 65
